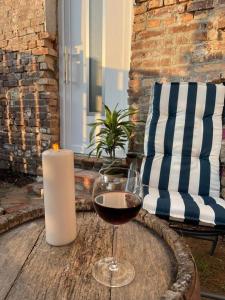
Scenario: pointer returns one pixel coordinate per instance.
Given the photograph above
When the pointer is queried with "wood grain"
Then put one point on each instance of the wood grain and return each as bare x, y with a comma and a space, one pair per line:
15, 247
41, 271
65, 272
155, 266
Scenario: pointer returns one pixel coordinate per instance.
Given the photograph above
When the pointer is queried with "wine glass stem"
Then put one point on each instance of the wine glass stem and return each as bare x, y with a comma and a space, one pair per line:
113, 266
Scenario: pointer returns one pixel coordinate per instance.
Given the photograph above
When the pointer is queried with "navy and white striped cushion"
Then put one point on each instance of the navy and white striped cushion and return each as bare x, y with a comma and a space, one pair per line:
195, 209
183, 139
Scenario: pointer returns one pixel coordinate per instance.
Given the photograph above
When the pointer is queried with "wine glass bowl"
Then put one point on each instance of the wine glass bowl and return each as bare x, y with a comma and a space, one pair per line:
117, 208
117, 198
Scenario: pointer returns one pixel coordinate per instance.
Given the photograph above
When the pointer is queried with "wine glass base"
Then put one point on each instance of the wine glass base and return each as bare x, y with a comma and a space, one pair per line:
103, 272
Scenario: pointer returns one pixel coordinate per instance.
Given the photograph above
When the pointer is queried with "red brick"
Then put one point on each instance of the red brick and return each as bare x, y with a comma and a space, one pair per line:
137, 45
187, 17
32, 44
138, 27
169, 21
165, 61
181, 8
181, 28
153, 23
170, 2
139, 54
46, 35
155, 4
44, 51
149, 34
221, 23
201, 15
200, 5
168, 51
152, 44
199, 36
45, 43
36, 21
47, 81
40, 51
140, 9
151, 63
139, 18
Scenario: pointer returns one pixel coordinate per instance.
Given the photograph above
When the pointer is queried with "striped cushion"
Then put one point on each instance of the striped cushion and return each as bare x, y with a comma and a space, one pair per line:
183, 138
202, 210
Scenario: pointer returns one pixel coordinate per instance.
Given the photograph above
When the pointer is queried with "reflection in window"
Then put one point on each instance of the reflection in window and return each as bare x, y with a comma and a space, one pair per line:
95, 54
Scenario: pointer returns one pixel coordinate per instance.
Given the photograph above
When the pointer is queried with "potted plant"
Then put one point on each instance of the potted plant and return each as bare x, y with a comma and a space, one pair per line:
113, 132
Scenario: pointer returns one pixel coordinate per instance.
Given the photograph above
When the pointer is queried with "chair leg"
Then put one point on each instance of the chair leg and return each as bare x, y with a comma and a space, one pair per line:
202, 236
214, 244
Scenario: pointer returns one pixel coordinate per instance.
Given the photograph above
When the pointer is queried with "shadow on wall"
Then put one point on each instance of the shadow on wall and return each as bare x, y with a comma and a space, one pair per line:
92, 85
189, 48
29, 114
28, 110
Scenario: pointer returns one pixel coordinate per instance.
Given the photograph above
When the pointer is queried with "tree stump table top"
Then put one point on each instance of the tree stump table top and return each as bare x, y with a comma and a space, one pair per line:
32, 269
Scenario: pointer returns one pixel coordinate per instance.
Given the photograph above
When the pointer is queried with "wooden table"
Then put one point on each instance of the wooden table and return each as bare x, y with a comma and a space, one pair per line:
31, 269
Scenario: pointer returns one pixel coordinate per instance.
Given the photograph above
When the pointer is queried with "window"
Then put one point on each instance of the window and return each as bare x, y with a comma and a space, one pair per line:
95, 56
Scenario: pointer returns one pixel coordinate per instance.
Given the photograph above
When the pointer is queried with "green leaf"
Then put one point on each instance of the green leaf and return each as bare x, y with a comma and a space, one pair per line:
92, 144
108, 113
114, 131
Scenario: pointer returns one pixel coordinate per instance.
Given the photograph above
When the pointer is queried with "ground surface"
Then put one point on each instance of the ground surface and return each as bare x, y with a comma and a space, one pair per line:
211, 268
14, 196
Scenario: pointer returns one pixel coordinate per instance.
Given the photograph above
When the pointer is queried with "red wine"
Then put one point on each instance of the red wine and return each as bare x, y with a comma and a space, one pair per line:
117, 207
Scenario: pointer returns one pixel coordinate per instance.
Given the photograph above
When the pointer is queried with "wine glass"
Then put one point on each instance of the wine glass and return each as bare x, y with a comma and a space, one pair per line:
117, 198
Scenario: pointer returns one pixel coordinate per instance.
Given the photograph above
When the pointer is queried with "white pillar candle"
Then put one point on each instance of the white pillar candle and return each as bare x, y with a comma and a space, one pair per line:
59, 196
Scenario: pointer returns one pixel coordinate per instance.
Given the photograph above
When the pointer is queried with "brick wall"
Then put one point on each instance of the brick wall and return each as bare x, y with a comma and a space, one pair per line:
29, 119
172, 40
175, 40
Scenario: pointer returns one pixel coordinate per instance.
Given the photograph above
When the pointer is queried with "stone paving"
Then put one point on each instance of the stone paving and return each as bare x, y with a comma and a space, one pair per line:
13, 198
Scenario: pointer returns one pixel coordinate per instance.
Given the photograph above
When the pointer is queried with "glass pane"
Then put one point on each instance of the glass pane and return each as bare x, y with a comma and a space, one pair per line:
95, 53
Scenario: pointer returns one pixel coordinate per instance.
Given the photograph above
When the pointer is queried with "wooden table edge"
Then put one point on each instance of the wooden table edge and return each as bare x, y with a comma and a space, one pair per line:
186, 285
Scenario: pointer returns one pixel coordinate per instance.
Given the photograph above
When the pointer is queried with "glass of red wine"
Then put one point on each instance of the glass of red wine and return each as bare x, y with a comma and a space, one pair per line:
117, 199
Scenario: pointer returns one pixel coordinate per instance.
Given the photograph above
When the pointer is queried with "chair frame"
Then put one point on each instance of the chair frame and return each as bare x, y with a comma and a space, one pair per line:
203, 233
196, 231
199, 232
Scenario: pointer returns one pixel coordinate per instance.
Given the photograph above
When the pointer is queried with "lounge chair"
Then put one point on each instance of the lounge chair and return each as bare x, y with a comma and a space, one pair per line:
180, 168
